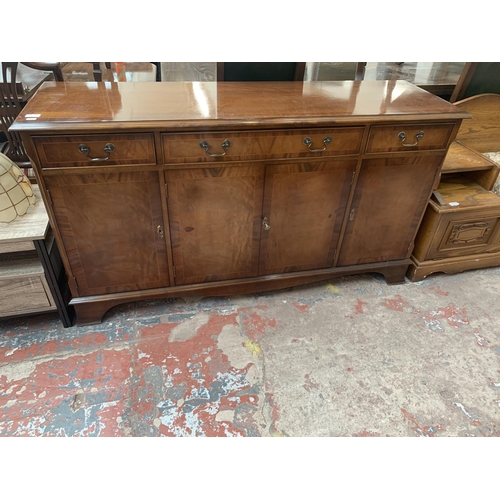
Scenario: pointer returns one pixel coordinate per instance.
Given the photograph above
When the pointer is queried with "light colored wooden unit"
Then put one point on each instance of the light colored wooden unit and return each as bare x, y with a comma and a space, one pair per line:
28, 264
460, 229
23, 287
233, 187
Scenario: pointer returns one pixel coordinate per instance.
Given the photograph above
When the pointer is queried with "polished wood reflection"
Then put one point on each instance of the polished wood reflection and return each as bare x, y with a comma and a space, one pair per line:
221, 105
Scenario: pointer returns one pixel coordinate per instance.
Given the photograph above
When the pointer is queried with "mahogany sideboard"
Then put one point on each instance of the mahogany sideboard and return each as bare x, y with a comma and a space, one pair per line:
174, 189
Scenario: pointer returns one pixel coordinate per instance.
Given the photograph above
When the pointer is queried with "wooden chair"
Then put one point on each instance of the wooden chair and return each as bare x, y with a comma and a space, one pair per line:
57, 69
477, 78
260, 71
10, 106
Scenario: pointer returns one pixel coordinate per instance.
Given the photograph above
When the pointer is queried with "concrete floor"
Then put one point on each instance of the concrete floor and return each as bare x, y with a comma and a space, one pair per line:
348, 357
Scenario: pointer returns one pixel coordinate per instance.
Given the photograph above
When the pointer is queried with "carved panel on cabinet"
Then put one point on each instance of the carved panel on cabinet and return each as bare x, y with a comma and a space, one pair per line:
475, 232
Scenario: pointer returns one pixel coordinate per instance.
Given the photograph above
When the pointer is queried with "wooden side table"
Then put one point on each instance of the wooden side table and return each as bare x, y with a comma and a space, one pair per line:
31, 273
461, 226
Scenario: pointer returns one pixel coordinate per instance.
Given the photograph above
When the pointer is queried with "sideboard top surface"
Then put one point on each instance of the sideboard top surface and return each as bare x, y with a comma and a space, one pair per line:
191, 105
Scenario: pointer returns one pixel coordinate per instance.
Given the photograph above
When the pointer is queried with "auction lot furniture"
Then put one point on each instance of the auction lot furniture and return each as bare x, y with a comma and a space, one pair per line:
31, 274
175, 189
461, 226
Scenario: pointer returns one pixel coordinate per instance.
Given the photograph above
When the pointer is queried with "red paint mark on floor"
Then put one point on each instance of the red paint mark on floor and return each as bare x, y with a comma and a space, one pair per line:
309, 384
155, 330
438, 291
456, 316
480, 341
365, 433
358, 309
426, 430
275, 414
255, 325
396, 304
81, 395
476, 423
349, 369
301, 307
183, 385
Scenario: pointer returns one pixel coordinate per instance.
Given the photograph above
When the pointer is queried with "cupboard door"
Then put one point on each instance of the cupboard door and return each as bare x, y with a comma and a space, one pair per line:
215, 217
111, 226
388, 204
304, 205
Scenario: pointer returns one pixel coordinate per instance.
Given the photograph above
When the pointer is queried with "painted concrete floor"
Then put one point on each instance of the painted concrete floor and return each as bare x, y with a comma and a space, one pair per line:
348, 357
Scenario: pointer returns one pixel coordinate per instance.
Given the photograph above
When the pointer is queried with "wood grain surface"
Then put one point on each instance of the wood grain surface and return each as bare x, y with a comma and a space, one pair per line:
227, 105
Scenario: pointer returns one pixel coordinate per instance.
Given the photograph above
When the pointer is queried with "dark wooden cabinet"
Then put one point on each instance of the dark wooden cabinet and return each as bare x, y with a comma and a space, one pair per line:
215, 222
174, 189
388, 202
304, 206
111, 226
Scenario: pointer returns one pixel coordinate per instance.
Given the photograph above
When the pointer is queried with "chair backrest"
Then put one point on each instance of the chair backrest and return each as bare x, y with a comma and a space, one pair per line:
260, 71
482, 131
10, 106
57, 69
477, 78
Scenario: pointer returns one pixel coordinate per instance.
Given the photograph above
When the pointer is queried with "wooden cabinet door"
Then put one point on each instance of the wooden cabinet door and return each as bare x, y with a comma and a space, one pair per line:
388, 204
215, 219
304, 205
111, 226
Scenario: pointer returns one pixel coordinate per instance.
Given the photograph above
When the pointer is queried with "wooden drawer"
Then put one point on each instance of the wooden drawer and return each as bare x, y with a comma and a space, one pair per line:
24, 295
65, 150
17, 246
390, 138
468, 217
186, 148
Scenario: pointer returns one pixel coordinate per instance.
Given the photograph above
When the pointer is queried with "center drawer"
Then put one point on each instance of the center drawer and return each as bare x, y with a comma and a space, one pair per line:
240, 146
60, 151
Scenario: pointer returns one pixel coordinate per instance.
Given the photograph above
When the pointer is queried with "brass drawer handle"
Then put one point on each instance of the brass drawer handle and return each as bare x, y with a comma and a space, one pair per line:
159, 230
225, 145
108, 148
308, 142
265, 224
402, 138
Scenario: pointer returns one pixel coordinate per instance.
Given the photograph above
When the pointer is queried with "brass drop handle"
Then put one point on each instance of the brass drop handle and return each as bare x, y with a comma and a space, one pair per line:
159, 230
308, 142
225, 145
108, 148
352, 214
402, 138
265, 224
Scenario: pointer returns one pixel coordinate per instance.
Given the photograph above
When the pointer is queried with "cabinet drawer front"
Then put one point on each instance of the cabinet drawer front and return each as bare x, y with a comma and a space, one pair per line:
24, 295
408, 137
468, 234
92, 150
187, 148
